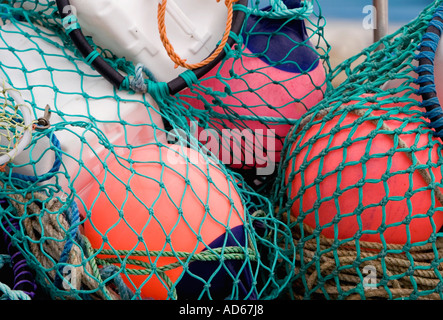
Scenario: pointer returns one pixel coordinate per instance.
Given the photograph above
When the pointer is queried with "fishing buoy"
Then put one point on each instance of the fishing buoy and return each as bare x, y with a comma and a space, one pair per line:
168, 199
279, 76
94, 115
368, 173
131, 29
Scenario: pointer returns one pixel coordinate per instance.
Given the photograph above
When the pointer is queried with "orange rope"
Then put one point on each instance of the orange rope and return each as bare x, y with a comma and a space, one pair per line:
170, 50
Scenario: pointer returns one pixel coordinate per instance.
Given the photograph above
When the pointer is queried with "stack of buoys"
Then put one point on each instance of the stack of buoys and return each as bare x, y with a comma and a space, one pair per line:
138, 193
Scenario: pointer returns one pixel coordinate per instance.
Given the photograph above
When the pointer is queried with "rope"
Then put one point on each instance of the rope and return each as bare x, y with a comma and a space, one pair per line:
426, 80
280, 11
111, 271
228, 253
169, 48
217, 254
10, 294
333, 269
48, 231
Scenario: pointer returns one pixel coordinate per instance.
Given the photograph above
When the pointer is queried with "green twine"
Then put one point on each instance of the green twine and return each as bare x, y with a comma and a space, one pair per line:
9, 294
91, 57
190, 77
228, 253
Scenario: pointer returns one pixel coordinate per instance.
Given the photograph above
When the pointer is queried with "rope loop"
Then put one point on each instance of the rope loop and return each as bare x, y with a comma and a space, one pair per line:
169, 48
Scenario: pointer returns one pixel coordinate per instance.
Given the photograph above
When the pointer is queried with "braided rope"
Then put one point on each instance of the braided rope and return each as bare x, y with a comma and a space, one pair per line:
216, 254
331, 269
48, 232
170, 49
10, 294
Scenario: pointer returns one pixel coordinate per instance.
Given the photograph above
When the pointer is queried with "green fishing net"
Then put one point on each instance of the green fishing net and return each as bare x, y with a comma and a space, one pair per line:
361, 175
121, 193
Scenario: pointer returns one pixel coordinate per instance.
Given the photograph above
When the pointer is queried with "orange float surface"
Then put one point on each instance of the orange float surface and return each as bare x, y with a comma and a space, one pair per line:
362, 182
167, 199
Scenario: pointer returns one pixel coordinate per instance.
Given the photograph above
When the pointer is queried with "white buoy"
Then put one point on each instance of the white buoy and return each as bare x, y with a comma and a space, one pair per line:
77, 95
130, 29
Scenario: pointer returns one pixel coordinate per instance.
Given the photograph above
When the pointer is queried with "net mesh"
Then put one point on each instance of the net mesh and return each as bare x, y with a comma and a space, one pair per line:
119, 195
259, 180
360, 179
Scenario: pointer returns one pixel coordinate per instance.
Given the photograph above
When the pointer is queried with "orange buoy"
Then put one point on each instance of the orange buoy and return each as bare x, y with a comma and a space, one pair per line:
368, 174
168, 199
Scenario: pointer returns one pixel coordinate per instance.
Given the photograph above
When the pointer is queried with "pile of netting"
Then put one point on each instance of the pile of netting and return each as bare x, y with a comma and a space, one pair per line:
121, 193
360, 181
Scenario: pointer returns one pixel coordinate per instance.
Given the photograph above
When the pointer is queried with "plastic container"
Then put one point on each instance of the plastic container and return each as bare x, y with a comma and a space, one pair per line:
130, 29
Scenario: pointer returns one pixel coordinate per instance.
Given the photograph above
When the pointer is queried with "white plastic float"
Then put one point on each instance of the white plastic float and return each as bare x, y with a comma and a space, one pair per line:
130, 29
50, 78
